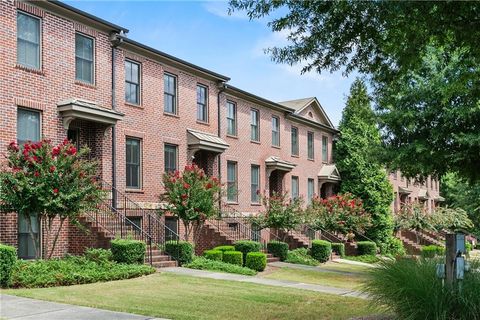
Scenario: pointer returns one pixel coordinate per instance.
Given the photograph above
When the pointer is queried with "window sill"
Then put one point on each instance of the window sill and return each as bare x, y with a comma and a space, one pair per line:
203, 123
85, 84
173, 115
254, 141
276, 147
324, 162
133, 105
295, 156
256, 204
30, 69
233, 137
232, 202
134, 190
310, 159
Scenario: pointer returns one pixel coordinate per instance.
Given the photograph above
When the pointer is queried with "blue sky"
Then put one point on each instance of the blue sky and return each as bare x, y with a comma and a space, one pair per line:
204, 34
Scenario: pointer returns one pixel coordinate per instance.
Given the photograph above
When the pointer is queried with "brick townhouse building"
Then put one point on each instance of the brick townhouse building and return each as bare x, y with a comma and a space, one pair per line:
67, 74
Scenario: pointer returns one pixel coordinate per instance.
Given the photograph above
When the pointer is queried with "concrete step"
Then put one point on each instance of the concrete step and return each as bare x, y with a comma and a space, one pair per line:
272, 259
164, 264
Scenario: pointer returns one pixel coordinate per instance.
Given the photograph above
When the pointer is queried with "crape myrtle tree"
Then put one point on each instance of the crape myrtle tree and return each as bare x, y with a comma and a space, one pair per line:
422, 60
191, 196
51, 182
356, 158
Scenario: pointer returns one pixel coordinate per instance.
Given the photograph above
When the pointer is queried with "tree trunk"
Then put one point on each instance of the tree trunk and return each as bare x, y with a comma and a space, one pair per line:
56, 237
186, 224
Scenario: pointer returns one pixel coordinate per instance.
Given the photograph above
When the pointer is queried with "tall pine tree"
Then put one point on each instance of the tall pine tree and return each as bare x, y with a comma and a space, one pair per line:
362, 173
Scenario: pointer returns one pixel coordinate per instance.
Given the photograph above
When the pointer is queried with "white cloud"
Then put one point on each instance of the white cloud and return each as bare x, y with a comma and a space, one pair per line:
220, 9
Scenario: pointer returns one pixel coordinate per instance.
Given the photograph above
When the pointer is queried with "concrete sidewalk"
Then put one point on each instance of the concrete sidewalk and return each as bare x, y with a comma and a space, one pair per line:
263, 281
12, 307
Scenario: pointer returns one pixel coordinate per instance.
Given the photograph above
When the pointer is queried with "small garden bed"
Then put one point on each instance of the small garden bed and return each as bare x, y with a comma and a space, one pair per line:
72, 270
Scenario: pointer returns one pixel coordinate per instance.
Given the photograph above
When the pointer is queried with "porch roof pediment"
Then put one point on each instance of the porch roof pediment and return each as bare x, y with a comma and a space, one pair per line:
423, 194
72, 109
275, 163
199, 140
404, 190
329, 172
439, 199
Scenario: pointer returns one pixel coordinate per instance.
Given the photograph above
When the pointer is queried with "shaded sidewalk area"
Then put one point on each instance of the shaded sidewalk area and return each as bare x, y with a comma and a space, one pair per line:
12, 307
263, 281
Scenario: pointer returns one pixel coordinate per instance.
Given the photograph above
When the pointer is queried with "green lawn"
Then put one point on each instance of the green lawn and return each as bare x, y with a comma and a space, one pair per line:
332, 279
344, 267
183, 297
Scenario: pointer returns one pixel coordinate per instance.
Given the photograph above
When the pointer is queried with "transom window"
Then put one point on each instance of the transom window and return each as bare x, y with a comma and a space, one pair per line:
231, 118
255, 184
254, 125
28, 126
133, 162
294, 141
275, 131
232, 181
325, 149
132, 82
169, 93
170, 157
295, 187
28, 40
310, 145
84, 58
202, 108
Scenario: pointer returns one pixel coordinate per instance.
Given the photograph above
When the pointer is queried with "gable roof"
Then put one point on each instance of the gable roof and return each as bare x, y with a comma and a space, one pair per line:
329, 172
300, 104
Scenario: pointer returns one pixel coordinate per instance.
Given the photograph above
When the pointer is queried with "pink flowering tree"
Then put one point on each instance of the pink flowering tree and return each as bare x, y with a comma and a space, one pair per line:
191, 196
341, 213
51, 181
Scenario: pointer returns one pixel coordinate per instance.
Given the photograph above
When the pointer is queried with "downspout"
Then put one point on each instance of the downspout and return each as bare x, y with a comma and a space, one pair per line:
222, 86
115, 39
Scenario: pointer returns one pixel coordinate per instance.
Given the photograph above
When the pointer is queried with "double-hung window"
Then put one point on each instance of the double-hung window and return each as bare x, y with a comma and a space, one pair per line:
169, 93
325, 149
255, 184
310, 190
295, 187
28, 126
170, 157
275, 131
84, 58
202, 108
132, 82
294, 141
310, 146
254, 125
232, 181
231, 118
28, 40
133, 162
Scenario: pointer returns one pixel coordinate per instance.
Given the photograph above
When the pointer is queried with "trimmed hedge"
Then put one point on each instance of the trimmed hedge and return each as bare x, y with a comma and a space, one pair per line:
202, 263
8, 258
246, 246
213, 255
99, 255
233, 257
128, 251
366, 248
256, 261
278, 249
181, 251
224, 248
301, 256
72, 270
432, 251
339, 248
321, 250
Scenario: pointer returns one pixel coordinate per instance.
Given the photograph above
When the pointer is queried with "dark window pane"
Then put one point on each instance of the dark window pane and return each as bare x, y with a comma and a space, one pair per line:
28, 40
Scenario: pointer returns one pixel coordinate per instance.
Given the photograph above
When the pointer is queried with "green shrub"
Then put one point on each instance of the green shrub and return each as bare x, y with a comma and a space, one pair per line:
364, 258
224, 248
202, 263
246, 246
99, 255
256, 261
128, 251
392, 246
301, 256
72, 270
432, 251
366, 248
468, 247
278, 249
8, 257
181, 251
410, 289
321, 250
213, 255
233, 257
339, 249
